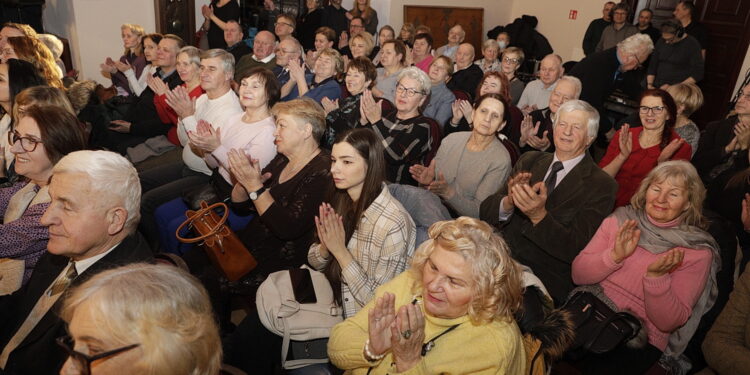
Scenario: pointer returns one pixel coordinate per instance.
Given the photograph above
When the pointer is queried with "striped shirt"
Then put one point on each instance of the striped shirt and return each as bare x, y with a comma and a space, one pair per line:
382, 246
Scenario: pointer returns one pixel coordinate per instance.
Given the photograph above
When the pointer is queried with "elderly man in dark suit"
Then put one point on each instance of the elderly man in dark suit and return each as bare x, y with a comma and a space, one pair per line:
553, 204
92, 221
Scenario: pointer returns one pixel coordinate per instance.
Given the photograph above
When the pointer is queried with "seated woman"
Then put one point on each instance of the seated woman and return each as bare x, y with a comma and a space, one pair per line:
451, 312
408, 137
149, 45
511, 60
131, 39
406, 34
42, 136
324, 38
689, 98
129, 316
441, 97
344, 114
421, 54
489, 61
385, 34
250, 133
321, 84
469, 166
393, 59
34, 51
360, 45
654, 260
365, 237
632, 153
491, 83
188, 68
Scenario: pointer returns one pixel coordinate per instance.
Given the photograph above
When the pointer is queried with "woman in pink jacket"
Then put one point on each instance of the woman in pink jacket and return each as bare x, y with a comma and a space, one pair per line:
653, 260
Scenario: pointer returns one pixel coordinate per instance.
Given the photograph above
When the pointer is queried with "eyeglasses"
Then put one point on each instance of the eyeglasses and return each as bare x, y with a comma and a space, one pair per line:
655, 110
400, 89
28, 144
357, 26
510, 60
82, 362
743, 97
283, 23
640, 65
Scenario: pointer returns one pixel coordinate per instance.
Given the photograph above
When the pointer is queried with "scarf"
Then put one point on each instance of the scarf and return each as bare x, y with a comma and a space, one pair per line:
29, 195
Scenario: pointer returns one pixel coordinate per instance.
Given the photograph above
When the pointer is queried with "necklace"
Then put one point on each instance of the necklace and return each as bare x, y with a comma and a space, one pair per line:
290, 170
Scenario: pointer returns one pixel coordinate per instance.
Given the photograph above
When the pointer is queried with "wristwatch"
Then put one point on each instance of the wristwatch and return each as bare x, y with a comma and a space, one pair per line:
254, 195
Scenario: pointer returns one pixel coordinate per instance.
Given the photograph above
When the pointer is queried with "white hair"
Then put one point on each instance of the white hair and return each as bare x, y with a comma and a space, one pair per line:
580, 105
573, 81
226, 59
418, 75
111, 176
636, 44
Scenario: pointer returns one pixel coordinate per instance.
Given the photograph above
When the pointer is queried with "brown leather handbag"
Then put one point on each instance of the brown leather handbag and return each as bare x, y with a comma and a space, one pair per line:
226, 251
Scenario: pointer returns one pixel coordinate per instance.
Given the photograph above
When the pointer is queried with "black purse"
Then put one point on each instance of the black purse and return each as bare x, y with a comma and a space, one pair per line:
598, 329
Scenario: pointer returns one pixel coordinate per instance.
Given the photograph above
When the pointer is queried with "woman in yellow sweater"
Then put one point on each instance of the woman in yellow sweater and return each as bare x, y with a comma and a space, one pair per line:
450, 313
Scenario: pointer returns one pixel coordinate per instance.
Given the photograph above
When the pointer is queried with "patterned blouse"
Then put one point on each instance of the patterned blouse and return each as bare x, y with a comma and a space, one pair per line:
342, 119
381, 246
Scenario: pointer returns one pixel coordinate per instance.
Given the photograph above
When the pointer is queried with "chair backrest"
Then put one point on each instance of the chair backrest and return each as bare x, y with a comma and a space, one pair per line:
461, 95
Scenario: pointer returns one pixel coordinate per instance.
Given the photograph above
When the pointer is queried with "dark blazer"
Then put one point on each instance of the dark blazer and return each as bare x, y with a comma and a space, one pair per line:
38, 353
575, 209
597, 75
466, 80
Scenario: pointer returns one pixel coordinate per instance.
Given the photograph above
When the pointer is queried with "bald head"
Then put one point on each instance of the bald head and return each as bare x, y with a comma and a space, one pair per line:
263, 44
464, 55
550, 69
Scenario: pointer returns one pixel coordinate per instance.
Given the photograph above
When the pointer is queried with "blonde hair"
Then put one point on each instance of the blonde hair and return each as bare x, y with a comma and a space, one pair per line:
163, 309
680, 172
688, 95
497, 285
338, 62
34, 51
305, 111
367, 39
139, 32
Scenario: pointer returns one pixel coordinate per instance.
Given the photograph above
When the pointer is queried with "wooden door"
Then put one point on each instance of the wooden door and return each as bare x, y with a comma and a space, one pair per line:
728, 25
441, 19
176, 17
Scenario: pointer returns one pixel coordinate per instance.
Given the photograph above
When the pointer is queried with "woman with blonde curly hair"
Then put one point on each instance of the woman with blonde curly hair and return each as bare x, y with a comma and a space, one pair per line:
35, 52
141, 319
451, 312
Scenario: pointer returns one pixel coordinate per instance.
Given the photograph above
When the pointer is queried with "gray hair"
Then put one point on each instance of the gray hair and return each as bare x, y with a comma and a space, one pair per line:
227, 59
418, 75
580, 105
54, 44
109, 174
573, 81
636, 44
490, 43
193, 54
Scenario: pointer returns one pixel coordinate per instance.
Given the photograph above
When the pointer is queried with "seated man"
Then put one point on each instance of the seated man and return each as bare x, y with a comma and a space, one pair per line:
467, 75
456, 36
537, 92
234, 36
554, 202
141, 121
92, 222
676, 59
263, 55
619, 30
536, 129
288, 52
219, 103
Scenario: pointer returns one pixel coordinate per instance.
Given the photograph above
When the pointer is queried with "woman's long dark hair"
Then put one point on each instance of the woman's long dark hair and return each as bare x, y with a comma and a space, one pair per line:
670, 106
21, 75
368, 147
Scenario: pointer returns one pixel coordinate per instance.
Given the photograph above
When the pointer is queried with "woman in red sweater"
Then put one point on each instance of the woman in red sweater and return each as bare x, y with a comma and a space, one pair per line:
653, 260
630, 158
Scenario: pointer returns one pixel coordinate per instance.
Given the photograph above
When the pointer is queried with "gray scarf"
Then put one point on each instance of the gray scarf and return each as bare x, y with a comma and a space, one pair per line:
658, 240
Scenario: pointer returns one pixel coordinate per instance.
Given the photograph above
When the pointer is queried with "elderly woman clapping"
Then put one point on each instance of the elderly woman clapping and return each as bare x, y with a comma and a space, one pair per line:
653, 259
451, 312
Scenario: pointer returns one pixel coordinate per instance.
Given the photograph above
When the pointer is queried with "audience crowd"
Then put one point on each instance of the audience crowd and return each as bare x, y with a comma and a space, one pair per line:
453, 199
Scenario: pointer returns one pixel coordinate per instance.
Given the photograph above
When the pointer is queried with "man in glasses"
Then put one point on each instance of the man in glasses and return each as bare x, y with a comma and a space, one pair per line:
92, 221
284, 26
618, 30
601, 72
594, 31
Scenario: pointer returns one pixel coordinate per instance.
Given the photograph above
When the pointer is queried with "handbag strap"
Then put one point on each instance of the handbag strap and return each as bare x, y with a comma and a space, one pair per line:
193, 215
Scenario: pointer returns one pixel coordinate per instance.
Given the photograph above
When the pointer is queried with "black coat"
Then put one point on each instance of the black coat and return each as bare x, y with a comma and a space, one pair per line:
38, 353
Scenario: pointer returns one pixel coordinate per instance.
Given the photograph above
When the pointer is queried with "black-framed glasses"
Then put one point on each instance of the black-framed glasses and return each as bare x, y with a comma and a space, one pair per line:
640, 64
283, 23
28, 144
511, 60
400, 89
82, 362
655, 110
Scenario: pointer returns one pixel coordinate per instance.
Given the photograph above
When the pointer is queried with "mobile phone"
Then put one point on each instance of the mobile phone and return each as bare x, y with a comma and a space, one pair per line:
302, 285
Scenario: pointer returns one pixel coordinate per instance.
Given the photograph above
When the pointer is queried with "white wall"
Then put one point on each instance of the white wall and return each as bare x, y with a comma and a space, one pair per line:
93, 28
